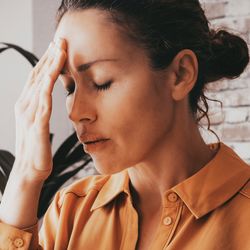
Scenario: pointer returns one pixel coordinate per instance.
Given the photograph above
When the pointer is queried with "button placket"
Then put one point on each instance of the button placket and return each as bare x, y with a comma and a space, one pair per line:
171, 202
169, 219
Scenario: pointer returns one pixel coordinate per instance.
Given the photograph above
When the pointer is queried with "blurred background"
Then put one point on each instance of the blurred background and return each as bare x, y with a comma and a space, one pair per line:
30, 24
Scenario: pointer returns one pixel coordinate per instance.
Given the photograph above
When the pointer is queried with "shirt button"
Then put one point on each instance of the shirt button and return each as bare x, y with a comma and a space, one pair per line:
167, 221
18, 242
172, 197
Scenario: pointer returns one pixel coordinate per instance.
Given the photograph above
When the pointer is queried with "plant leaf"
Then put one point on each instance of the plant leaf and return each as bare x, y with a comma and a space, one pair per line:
6, 161
3, 49
51, 137
28, 55
75, 156
62, 152
3, 181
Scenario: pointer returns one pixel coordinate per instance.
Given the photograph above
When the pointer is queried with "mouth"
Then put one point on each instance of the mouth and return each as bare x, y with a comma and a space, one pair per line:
96, 141
95, 146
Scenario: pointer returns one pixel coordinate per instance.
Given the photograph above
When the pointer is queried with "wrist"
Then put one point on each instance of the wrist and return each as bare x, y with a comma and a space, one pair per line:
23, 174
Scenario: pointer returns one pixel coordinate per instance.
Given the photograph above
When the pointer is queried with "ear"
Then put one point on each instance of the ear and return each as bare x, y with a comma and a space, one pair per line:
185, 66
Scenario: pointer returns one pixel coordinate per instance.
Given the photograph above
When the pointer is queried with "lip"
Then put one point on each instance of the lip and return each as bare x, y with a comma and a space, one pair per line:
88, 138
95, 146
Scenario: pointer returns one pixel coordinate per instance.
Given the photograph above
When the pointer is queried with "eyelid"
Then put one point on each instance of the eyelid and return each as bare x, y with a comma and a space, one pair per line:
70, 86
104, 86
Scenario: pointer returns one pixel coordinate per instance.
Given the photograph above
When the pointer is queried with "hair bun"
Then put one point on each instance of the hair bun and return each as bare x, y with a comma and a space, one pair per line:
229, 56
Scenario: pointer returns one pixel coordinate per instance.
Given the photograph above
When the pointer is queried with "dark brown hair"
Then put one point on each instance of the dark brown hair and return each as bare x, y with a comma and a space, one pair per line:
165, 27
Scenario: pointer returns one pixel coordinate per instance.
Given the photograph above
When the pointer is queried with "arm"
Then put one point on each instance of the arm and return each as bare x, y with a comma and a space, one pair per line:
33, 150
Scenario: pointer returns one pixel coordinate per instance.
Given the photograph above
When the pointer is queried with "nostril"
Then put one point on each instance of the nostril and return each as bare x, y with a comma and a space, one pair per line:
80, 108
70, 116
87, 120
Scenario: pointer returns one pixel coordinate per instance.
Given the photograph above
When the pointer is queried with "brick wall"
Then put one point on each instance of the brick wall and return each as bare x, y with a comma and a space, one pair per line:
232, 122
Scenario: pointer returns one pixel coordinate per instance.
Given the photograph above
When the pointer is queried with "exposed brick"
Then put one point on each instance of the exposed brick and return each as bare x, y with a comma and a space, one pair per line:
242, 148
238, 8
233, 98
246, 73
217, 86
232, 122
215, 9
239, 25
208, 136
236, 115
227, 115
241, 83
216, 117
240, 133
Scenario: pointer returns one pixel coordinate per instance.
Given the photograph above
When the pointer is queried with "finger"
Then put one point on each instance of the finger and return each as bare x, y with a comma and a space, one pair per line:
30, 90
45, 98
43, 111
57, 47
32, 106
49, 72
60, 43
47, 65
35, 71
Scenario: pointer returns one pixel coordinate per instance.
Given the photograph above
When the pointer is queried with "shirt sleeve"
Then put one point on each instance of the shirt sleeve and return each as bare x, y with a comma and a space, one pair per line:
12, 238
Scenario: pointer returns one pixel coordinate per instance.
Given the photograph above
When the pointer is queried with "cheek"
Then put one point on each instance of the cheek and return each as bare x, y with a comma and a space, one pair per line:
136, 111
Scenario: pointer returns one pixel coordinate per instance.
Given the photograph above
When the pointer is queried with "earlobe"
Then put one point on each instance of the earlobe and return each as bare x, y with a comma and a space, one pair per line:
185, 65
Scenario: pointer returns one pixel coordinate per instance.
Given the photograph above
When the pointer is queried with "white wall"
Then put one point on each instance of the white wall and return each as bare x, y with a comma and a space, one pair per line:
15, 27
29, 24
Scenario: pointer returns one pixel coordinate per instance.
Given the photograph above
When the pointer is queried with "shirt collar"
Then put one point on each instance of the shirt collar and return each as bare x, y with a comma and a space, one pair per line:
203, 192
215, 183
116, 184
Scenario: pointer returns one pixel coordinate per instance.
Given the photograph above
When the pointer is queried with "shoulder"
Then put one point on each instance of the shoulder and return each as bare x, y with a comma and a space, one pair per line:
82, 187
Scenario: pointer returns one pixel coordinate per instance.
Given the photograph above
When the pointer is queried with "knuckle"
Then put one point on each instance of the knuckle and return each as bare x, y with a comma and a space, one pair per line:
33, 74
64, 55
46, 108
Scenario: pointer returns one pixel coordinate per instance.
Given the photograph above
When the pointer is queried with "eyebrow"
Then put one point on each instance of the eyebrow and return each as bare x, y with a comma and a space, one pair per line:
86, 66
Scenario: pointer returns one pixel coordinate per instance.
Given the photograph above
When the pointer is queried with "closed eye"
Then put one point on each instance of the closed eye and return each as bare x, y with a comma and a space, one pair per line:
104, 86
70, 88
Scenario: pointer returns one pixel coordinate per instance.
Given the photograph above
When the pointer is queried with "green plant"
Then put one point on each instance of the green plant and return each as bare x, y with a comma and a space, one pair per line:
68, 160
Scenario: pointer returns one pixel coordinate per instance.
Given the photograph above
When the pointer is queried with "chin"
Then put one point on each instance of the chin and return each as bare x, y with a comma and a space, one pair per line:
108, 168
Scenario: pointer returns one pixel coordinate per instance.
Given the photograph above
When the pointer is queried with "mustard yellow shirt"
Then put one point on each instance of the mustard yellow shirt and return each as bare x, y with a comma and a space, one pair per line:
208, 211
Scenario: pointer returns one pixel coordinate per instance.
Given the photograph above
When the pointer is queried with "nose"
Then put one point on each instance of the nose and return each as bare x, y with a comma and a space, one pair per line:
80, 107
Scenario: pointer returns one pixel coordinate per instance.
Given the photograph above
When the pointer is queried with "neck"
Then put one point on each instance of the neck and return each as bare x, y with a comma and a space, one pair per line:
178, 158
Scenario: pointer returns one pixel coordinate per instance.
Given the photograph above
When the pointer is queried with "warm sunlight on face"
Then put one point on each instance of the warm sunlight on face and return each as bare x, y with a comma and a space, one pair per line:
134, 108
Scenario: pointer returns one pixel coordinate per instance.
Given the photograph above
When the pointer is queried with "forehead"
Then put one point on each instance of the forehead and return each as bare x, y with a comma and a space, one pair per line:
89, 34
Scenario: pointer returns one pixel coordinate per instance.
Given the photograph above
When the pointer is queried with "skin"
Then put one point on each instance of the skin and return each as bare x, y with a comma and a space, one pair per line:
144, 114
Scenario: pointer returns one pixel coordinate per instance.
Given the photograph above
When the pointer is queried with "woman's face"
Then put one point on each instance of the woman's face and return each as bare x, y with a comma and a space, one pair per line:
134, 112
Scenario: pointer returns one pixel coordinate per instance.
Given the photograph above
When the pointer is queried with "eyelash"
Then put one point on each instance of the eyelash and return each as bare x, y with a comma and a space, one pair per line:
104, 86
98, 87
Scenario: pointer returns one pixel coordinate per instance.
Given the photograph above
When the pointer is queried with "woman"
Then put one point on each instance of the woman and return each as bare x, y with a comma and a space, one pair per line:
135, 73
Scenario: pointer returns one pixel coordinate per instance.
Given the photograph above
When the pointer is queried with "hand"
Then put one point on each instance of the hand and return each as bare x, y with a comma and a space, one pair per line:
33, 111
